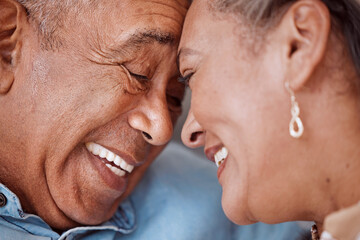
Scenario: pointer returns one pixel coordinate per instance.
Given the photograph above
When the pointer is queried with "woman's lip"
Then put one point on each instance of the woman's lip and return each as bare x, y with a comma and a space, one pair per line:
211, 151
221, 169
111, 179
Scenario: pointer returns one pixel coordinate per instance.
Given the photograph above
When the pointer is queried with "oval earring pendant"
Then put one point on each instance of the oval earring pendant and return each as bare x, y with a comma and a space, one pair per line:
296, 131
296, 127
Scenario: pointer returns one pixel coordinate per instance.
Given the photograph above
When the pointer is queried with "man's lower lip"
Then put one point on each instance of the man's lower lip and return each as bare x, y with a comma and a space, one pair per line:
221, 169
111, 179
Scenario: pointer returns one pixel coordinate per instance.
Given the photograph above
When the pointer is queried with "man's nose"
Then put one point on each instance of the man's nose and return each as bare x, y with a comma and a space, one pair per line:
192, 134
152, 118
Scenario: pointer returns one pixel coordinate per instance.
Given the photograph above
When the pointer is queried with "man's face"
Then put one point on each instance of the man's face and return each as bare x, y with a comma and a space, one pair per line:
110, 91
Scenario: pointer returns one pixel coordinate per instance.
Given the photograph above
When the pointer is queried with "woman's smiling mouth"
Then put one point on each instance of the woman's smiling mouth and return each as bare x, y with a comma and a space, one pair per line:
217, 154
220, 160
220, 156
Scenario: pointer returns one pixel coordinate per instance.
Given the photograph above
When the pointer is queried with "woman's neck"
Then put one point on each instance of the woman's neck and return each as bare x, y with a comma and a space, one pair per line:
333, 151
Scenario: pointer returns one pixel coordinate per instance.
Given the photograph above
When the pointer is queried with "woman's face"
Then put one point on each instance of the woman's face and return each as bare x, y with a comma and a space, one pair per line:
239, 102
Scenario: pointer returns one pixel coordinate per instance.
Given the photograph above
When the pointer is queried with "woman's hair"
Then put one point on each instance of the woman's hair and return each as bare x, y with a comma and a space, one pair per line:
264, 13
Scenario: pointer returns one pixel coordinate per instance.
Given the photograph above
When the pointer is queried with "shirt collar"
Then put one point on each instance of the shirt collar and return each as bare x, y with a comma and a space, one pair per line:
13, 207
123, 221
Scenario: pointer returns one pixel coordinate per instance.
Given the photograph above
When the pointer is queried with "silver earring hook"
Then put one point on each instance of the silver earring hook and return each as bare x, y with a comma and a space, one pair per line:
291, 92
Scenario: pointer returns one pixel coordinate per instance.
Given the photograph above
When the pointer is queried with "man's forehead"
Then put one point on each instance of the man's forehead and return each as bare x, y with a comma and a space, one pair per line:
175, 4
130, 25
140, 20
135, 42
166, 13
170, 9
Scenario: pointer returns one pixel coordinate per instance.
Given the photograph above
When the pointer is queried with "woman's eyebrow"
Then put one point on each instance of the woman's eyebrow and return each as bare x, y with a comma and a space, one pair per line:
185, 52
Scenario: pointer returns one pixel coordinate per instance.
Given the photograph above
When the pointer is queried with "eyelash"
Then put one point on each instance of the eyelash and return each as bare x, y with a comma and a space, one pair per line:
138, 77
186, 79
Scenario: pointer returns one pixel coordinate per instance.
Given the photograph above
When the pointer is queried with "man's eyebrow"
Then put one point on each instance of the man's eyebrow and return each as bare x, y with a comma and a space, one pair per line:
185, 52
141, 38
151, 36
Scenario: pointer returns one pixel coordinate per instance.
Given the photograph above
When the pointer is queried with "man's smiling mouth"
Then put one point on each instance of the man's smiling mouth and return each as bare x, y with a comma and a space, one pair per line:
114, 162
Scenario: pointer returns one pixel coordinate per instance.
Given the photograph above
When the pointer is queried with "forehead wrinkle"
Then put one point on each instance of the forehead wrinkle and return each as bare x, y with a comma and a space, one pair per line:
184, 8
98, 49
134, 43
165, 16
177, 7
137, 41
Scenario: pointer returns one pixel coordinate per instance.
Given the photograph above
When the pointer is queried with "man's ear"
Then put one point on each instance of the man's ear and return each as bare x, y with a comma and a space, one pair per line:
12, 18
306, 26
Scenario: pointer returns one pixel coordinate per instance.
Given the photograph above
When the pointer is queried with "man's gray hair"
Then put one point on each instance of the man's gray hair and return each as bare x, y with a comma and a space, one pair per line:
49, 16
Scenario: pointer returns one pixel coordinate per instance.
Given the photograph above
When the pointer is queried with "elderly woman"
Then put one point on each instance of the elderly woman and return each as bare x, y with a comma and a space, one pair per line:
276, 102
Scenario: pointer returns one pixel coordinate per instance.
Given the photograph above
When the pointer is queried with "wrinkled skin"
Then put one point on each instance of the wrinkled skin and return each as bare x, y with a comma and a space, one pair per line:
61, 99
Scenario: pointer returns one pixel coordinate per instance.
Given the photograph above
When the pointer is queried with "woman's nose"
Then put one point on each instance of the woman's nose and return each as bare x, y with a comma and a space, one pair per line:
153, 119
192, 134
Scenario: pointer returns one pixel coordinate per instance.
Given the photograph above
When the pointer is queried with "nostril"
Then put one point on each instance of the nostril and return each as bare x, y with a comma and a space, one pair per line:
194, 136
147, 135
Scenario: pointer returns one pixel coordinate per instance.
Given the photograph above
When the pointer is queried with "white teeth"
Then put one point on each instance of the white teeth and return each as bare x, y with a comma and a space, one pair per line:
130, 168
117, 160
123, 165
220, 156
102, 152
110, 156
116, 170
96, 150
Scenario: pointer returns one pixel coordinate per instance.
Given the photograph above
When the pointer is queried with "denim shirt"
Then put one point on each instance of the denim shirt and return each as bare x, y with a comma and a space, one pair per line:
15, 224
179, 198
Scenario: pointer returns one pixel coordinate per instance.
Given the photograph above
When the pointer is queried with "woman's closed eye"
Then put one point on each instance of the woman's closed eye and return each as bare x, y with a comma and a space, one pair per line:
185, 79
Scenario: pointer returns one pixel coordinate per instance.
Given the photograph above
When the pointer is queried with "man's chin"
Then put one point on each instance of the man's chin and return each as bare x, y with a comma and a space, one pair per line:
81, 202
84, 217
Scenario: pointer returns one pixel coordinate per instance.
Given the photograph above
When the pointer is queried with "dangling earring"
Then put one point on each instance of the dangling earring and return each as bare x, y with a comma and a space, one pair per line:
295, 112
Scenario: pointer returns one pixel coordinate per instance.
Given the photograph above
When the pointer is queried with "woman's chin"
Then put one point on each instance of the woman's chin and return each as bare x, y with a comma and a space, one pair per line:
237, 211
239, 219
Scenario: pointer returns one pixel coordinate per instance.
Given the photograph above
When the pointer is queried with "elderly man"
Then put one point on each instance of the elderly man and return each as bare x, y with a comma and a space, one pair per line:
88, 96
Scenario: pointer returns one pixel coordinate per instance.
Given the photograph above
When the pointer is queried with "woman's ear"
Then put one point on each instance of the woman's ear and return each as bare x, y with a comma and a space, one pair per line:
12, 20
306, 27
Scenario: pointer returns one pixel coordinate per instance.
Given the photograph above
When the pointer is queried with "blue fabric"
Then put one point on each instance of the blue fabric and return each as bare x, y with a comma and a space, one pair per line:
15, 224
178, 199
